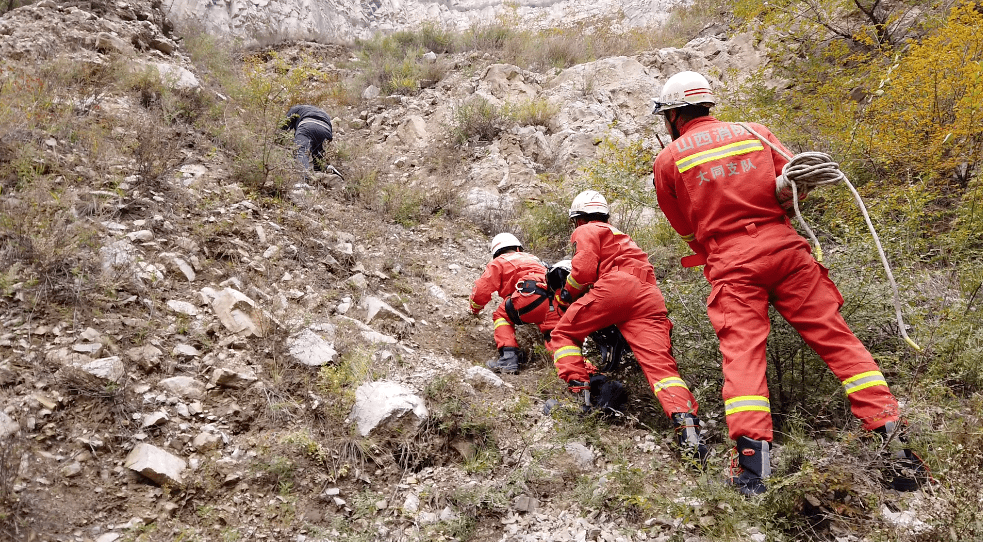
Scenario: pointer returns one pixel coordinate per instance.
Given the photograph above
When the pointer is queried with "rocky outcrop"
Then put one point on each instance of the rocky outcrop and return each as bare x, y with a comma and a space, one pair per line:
268, 21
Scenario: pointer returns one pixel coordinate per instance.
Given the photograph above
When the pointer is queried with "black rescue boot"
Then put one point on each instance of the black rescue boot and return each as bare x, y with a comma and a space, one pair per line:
751, 466
508, 361
689, 437
904, 470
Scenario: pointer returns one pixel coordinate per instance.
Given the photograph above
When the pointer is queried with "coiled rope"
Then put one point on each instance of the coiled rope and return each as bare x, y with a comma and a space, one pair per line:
808, 170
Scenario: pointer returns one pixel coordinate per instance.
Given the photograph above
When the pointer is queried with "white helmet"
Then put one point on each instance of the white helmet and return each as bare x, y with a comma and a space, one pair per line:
503, 241
682, 89
588, 202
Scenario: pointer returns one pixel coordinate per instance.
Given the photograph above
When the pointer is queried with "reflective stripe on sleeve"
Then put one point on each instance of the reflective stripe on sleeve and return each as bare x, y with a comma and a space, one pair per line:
747, 403
576, 285
741, 147
567, 351
688, 238
672, 381
474, 305
863, 381
502, 322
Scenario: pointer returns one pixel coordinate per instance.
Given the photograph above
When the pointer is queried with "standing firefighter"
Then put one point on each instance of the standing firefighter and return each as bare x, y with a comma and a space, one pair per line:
312, 127
716, 185
519, 279
612, 283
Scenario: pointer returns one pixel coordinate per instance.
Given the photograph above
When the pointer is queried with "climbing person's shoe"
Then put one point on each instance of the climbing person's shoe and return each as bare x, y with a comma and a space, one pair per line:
508, 360
750, 466
689, 438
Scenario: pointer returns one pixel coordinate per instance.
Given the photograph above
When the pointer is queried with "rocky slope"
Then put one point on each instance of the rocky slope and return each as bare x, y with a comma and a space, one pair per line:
204, 392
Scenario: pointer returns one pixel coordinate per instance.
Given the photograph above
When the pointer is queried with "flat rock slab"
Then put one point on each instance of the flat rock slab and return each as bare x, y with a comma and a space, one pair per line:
156, 464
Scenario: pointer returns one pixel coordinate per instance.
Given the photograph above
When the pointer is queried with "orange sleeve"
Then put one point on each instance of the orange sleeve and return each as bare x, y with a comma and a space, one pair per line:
487, 284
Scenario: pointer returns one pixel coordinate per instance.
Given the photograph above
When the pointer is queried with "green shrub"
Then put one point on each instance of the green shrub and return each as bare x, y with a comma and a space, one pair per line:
535, 112
477, 118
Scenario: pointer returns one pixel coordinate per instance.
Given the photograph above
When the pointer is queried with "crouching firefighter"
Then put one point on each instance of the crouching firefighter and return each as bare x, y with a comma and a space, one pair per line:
612, 283
519, 279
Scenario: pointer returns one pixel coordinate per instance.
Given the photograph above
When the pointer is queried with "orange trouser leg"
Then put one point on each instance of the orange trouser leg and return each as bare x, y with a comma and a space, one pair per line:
739, 314
504, 328
777, 265
811, 303
541, 316
639, 312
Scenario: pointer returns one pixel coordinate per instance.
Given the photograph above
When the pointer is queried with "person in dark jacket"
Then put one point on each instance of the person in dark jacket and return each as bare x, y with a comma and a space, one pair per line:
312, 127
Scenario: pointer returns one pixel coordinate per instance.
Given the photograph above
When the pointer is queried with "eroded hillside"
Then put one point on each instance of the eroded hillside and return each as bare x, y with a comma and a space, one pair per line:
186, 318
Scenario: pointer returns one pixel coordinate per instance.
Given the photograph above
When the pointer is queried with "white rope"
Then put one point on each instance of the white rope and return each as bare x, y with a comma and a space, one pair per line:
808, 170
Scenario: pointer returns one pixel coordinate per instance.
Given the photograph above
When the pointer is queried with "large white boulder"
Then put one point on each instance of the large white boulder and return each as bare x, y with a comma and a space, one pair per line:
387, 407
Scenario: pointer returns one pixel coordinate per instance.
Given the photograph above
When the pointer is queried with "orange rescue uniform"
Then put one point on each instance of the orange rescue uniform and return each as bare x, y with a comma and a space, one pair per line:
501, 276
613, 283
716, 185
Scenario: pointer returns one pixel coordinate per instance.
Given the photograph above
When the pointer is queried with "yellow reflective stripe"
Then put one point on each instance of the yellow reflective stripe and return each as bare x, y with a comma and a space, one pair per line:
567, 351
574, 283
863, 381
475, 305
688, 238
670, 382
747, 403
741, 147
502, 322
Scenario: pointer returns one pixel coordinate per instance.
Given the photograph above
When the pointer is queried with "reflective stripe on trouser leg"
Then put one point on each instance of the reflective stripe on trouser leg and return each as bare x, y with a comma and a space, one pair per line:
504, 330
871, 399
748, 414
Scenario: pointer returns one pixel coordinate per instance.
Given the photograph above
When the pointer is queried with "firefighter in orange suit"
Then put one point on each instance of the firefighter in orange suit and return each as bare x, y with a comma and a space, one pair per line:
519, 279
611, 282
716, 185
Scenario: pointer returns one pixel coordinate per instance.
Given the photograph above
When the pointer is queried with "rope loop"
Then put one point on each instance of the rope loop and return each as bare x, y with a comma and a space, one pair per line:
807, 170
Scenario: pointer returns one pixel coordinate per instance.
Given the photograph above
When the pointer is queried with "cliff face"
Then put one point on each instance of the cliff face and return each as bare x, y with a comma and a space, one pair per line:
269, 21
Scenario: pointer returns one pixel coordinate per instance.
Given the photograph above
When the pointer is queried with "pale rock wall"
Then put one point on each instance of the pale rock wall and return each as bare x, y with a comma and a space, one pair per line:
258, 22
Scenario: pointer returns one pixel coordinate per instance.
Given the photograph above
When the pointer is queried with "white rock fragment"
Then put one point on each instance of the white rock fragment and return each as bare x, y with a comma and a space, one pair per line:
185, 351
206, 441
156, 464
481, 376
310, 349
183, 386
182, 307
230, 306
111, 368
154, 419
236, 378
386, 405
374, 306
7, 426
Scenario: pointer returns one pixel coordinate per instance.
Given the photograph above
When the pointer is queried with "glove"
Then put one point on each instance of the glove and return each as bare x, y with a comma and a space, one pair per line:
784, 195
601, 394
563, 300
608, 396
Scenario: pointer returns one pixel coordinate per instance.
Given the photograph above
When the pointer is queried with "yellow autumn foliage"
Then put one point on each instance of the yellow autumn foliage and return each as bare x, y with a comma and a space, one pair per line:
926, 115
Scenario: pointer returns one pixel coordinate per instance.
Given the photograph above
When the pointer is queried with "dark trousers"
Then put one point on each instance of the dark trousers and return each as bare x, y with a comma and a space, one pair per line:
309, 140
